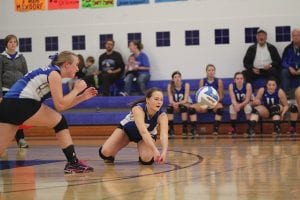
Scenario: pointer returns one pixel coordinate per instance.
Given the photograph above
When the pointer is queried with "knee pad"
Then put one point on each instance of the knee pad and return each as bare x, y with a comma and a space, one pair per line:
220, 111
247, 109
192, 111
182, 109
254, 111
146, 163
170, 110
293, 109
110, 159
274, 110
231, 110
61, 125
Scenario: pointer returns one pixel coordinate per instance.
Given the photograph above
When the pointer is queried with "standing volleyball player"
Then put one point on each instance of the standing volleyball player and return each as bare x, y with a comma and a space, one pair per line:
179, 101
140, 126
294, 109
270, 101
217, 84
240, 94
23, 104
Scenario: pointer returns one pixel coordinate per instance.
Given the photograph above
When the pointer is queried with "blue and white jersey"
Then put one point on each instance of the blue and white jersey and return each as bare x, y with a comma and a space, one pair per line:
240, 94
269, 100
178, 95
129, 124
34, 85
214, 83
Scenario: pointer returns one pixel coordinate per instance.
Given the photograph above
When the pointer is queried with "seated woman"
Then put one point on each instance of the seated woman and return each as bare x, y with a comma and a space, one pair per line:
270, 101
179, 101
140, 126
294, 109
240, 94
217, 84
141, 71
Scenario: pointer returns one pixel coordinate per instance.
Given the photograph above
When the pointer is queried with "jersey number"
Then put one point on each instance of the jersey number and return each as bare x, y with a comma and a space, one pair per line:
240, 97
270, 101
178, 97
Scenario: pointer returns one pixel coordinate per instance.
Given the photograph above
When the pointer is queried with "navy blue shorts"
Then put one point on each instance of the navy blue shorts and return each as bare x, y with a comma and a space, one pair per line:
133, 134
17, 111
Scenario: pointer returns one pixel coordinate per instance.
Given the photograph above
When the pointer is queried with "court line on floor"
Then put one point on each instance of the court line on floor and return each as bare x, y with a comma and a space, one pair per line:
93, 181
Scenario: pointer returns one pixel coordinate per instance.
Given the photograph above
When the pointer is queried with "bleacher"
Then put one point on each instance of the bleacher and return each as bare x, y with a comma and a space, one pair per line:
110, 110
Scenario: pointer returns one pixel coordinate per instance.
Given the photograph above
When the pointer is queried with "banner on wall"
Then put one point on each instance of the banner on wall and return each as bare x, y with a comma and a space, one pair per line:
97, 3
29, 5
63, 4
160, 1
131, 2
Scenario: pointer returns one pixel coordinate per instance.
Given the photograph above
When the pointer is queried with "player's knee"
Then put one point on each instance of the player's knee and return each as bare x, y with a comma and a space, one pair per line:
144, 162
61, 125
192, 111
183, 109
105, 158
293, 109
247, 109
220, 111
274, 110
170, 110
231, 110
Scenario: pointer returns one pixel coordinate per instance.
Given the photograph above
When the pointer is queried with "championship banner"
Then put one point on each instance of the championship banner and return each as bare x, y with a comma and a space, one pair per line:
63, 4
29, 5
97, 3
131, 2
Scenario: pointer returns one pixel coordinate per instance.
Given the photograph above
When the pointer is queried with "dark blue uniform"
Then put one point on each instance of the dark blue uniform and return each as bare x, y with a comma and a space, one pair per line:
214, 84
269, 100
240, 95
131, 130
178, 95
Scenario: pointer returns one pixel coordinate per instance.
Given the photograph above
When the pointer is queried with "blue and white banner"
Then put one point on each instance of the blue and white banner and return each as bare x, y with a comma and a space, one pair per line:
131, 2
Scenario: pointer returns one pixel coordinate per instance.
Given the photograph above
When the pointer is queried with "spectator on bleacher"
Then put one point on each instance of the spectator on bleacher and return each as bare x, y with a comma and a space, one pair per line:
131, 65
291, 62
240, 94
262, 59
270, 101
79, 74
13, 66
294, 109
24, 104
143, 69
111, 66
140, 126
217, 84
90, 72
179, 101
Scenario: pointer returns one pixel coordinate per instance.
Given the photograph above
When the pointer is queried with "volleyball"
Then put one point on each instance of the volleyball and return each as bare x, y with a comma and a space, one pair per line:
207, 97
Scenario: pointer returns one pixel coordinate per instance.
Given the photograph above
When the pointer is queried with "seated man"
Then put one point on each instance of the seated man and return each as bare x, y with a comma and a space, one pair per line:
291, 62
111, 66
262, 59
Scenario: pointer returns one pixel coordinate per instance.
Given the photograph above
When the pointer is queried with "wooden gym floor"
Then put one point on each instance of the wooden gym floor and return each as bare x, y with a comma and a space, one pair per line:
204, 168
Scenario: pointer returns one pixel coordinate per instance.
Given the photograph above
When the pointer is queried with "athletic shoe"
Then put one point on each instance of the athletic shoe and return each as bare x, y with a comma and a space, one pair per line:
78, 167
232, 131
171, 134
22, 143
250, 132
184, 131
277, 131
292, 131
194, 133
